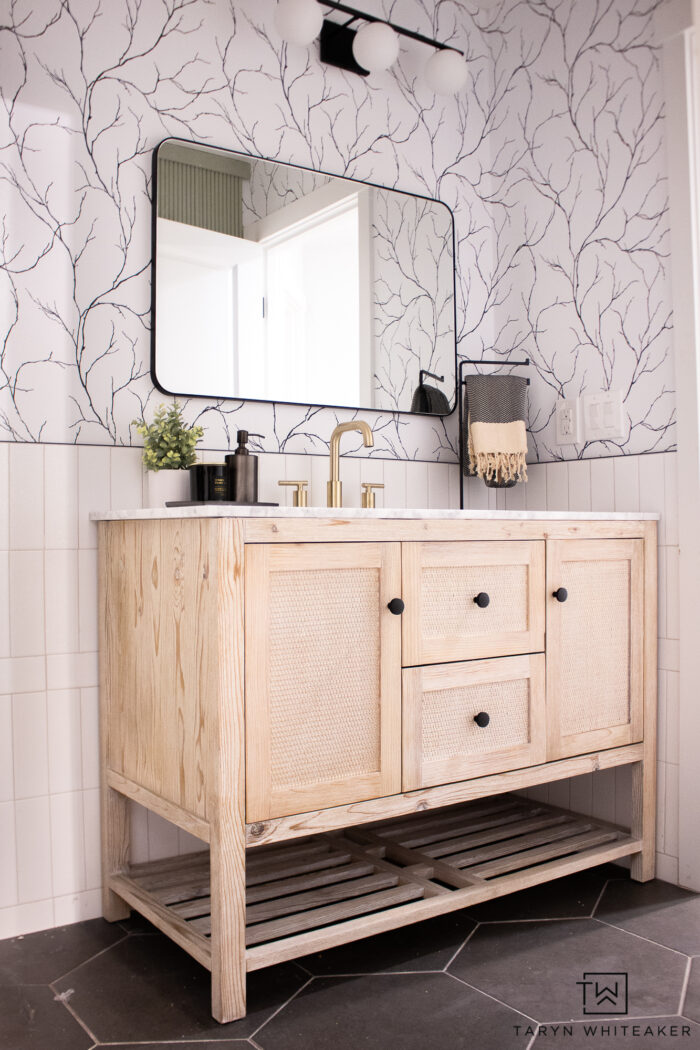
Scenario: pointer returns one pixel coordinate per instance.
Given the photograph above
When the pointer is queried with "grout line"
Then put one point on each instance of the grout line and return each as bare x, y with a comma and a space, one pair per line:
516, 922
372, 973
66, 1003
90, 959
282, 1007
648, 940
463, 945
684, 989
600, 897
532, 1041
502, 1002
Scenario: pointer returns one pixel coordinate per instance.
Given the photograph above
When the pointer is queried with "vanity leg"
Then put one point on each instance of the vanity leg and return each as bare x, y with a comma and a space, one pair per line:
643, 865
115, 849
226, 791
644, 772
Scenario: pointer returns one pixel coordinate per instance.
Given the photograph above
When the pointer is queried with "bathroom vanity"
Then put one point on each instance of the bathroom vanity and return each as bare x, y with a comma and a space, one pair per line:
344, 705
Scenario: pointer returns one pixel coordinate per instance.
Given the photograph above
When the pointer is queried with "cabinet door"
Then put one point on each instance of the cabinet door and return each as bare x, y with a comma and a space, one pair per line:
323, 675
443, 620
594, 645
443, 741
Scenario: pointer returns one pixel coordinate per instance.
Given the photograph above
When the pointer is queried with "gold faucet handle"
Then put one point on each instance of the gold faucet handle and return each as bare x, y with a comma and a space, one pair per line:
368, 494
301, 496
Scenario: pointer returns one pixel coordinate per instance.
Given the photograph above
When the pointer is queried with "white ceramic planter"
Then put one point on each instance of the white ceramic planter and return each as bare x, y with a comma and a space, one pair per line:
165, 486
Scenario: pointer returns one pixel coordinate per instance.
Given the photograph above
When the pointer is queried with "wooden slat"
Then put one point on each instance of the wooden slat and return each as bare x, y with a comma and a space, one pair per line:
369, 925
326, 860
299, 902
552, 849
518, 844
417, 875
332, 913
163, 918
407, 858
374, 810
298, 883
445, 847
453, 817
502, 820
189, 822
184, 862
287, 852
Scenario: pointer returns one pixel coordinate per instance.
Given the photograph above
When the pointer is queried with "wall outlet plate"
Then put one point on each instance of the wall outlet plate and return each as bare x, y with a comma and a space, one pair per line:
568, 421
603, 416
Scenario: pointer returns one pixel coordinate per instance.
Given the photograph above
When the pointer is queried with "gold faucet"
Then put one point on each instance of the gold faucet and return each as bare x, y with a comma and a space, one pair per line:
335, 486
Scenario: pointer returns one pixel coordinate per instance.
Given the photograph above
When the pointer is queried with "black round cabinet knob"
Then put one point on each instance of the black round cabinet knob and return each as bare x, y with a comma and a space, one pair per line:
482, 719
561, 594
396, 606
482, 599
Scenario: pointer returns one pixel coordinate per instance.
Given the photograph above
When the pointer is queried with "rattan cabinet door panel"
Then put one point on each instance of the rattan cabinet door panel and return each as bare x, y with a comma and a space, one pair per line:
443, 742
441, 582
594, 645
323, 676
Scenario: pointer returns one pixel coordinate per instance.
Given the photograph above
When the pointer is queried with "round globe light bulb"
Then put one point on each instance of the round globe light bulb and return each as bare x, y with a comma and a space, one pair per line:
375, 47
298, 21
446, 72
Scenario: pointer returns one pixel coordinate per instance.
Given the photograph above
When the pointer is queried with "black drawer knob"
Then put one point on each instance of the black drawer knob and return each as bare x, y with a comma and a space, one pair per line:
482, 599
561, 594
482, 719
396, 606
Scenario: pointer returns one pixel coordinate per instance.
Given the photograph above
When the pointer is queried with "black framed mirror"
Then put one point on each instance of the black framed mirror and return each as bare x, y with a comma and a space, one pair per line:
278, 283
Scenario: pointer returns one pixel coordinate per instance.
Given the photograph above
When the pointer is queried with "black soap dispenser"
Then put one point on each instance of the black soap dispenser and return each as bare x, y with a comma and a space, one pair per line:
243, 471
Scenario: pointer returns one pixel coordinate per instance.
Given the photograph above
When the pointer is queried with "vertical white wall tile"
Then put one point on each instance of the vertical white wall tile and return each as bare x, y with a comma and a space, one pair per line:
559, 794
580, 485
294, 469
7, 786
270, 471
626, 483
372, 470
536, 489
557, 486
671, 499
673, 728
453, 485
476, 495
395, 483
27, 603
126, 478
604, 794
350, 478
93, 854
162, 838
26, 496
26, 918
669, 657
602, 484
23, 674
581, 793
33, 837
64, 741
61, 496
438, 486
319, 475
87, 601
4, 604
90, 737
661, 768
667, 868
652, 487
416, 485
67, 843
94, 482
662, 715
71, 670
515, 497
61, 600
138, 828
187, 843
8, 864
4, 496
29, 736
623, 796
77, 907
673, 594
671, 811
662, 591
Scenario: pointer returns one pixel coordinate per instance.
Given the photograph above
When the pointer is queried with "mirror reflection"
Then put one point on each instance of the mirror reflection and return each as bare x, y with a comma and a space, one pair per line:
277, 283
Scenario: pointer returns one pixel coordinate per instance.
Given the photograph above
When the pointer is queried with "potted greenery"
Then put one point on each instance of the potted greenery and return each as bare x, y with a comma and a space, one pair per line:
168, 452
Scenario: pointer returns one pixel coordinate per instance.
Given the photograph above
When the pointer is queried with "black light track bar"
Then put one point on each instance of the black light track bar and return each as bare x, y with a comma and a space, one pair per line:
397, 29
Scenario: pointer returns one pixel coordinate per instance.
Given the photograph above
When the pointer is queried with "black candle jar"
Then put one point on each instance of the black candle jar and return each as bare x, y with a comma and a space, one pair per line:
209, 482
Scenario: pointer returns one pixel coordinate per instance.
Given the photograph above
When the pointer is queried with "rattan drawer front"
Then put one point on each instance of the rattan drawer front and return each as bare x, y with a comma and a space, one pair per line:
441, 741
443, 622
323, 703
594, 650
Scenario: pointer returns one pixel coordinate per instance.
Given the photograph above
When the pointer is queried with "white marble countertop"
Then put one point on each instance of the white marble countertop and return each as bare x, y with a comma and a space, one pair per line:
217, 510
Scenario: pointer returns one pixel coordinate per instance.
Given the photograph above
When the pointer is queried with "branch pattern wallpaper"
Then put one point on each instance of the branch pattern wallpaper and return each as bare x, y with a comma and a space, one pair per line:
552, 161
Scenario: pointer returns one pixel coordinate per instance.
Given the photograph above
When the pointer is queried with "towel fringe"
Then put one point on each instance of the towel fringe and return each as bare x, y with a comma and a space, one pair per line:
501, 466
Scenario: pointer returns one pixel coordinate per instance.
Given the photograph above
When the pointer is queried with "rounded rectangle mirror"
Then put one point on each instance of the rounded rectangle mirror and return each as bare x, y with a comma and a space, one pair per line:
278, 283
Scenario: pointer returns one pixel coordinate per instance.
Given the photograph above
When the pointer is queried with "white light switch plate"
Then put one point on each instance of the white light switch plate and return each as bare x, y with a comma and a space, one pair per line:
603, 416
568, 421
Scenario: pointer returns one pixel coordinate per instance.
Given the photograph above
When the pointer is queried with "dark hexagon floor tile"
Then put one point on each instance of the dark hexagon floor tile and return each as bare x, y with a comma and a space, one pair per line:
644, 1033
423, 946
657, 910
39, 958
571, 897
535, 967
410, 1011
31, 1019
691, 1007
231, 1044
146, 989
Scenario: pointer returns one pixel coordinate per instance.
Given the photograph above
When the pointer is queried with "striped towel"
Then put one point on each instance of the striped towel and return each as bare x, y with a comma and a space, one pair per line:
496, 437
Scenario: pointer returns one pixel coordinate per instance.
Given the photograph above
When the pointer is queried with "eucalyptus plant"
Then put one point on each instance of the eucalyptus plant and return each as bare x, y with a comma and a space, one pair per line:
168, 443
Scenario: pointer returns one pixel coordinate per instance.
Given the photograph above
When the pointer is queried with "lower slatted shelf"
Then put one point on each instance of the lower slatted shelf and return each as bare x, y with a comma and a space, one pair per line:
309, 894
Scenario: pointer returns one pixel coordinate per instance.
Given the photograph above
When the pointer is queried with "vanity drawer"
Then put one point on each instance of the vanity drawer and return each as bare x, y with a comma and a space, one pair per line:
442, 741
444, 621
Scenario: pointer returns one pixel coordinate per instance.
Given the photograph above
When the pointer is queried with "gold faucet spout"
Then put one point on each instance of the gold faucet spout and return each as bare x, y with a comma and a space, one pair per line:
335, 487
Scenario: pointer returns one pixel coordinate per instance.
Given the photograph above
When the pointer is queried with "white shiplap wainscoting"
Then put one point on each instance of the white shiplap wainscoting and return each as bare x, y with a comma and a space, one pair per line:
49, 806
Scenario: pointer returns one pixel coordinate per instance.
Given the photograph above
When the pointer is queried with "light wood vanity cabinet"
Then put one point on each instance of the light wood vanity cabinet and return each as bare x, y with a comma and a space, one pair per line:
258, 690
